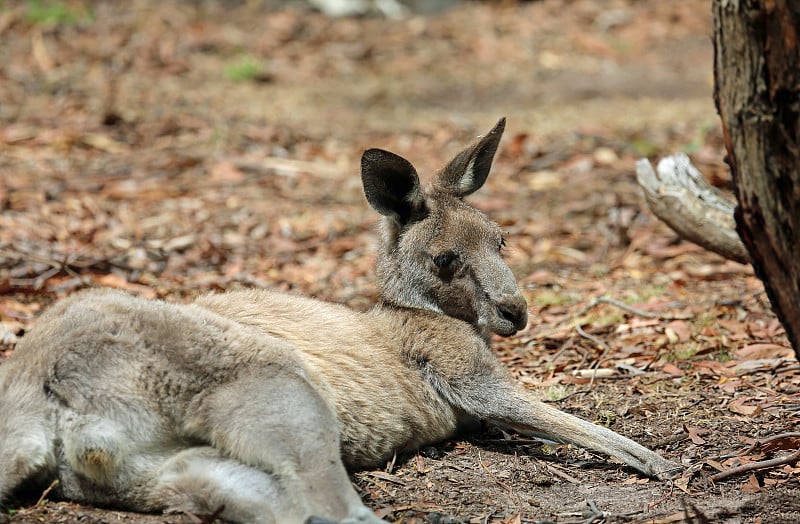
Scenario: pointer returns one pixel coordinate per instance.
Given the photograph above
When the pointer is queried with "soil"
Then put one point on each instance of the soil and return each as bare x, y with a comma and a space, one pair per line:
172, 149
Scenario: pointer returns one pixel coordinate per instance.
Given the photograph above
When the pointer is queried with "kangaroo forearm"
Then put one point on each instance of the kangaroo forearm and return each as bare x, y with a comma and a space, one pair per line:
530, 416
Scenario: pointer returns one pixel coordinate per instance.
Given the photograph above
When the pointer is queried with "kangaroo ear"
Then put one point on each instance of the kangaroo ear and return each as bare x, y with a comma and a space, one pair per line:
391, 185
467, 172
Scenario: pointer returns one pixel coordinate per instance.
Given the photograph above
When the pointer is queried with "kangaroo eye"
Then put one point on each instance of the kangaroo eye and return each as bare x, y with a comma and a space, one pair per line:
445, 260
502, 244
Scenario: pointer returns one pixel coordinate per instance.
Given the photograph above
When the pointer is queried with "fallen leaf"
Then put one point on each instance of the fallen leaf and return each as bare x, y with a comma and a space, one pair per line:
672, 369
751, 486
682, 483
694, 434
739, 407
786, 443
681, 329
228, 172
419, 462
118, 282
764, 351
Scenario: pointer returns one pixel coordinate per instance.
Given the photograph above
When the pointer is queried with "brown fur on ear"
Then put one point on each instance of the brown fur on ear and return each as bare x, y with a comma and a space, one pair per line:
468, 171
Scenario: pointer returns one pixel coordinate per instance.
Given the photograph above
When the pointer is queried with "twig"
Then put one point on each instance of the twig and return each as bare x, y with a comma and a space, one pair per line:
47, 491
564, 475
388, 477
594, 514
630, 309
497, 480
563, 348
663, 498
391, 463
593, 338
291, 167
752, 466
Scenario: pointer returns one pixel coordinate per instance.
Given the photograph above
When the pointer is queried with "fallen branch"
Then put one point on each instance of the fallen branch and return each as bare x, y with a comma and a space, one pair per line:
630, 309
753, 466
679, 195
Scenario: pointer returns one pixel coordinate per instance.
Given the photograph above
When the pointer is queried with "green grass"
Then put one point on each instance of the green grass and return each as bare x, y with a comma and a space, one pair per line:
245, 69
550, 297
608, 319
723, 356
645, 293
686, 352
643, 147
54, 13
555, 392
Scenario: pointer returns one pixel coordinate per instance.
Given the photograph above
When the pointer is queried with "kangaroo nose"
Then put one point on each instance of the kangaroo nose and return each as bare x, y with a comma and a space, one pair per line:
514, 311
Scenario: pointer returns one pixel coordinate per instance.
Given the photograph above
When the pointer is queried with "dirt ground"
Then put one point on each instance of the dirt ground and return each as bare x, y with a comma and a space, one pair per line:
172, 149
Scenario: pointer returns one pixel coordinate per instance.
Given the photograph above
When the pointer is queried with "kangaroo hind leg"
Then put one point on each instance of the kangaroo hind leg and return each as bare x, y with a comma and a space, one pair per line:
201, 481
275, 421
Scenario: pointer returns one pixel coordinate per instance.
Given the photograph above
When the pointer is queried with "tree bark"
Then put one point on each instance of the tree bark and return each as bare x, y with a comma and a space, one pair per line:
757, 94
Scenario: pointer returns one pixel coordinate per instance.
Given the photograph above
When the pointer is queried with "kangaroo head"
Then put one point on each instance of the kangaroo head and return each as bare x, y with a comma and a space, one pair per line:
438, 252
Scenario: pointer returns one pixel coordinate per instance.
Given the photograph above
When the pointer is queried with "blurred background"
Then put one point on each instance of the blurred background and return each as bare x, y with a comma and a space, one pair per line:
259, 110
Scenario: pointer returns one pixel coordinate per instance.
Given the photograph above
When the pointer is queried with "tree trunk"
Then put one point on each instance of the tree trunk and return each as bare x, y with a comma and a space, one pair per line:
757, 93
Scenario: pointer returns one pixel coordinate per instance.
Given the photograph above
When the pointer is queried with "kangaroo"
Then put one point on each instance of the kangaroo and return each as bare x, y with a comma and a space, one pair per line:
253, 405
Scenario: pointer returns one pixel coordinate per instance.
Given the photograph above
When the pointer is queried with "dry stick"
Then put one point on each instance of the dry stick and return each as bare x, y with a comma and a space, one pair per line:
593, 338
630, 309
291, 167
563, 474
499, 482
47, 491
595, 513
561, 350
763, 464
663, 498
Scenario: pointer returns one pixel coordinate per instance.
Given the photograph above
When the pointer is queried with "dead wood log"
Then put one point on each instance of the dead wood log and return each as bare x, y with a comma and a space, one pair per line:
698, 212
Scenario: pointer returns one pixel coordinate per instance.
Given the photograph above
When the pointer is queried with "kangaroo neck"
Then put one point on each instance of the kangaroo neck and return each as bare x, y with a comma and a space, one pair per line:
423, 317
